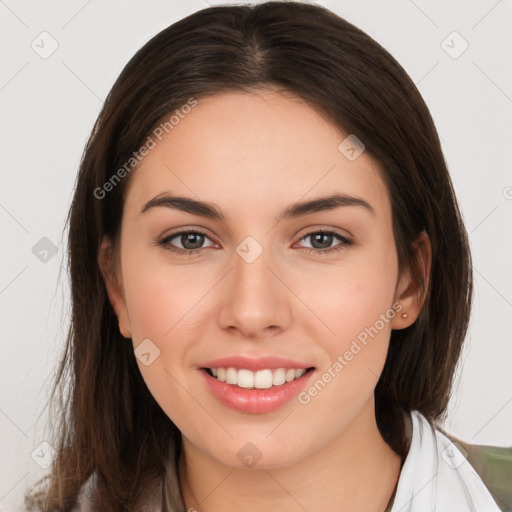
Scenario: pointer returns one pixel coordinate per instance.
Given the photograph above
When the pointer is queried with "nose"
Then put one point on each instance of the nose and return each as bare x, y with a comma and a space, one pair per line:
255, 301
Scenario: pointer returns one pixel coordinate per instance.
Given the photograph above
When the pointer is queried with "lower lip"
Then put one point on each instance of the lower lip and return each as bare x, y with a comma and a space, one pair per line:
255, 401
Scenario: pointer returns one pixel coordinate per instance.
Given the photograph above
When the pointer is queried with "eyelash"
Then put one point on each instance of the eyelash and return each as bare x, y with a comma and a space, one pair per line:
345, 242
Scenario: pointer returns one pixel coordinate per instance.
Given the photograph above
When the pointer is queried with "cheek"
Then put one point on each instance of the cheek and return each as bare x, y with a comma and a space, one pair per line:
164, 305
355, 302
162, 298
352, 296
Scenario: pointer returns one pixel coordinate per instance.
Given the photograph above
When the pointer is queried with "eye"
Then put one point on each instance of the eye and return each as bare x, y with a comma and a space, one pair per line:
191, 242
321, 242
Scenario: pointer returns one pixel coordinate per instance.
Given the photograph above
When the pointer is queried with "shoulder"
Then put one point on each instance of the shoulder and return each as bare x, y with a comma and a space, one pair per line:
493, 465
439, 473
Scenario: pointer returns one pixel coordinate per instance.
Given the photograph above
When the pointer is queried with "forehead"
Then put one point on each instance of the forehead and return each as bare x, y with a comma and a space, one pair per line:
247, 151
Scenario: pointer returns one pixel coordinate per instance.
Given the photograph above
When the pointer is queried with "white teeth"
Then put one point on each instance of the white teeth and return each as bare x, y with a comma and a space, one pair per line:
245, 379
290, 375
262, 379
231, 376
279, 377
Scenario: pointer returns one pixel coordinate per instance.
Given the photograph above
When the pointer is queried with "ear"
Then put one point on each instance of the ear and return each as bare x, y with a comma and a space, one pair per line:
113, 284
409, 292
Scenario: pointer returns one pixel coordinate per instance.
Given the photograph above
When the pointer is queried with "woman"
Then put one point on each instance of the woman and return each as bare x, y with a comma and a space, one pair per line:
271, 281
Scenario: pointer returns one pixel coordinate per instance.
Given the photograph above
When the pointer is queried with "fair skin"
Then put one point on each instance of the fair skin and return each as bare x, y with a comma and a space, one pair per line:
254, 155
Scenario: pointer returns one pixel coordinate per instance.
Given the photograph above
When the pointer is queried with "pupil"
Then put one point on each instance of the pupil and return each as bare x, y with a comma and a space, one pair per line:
185, 239
318, 238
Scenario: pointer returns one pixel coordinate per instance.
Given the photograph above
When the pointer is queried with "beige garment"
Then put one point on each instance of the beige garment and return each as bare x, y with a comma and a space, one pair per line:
151, 501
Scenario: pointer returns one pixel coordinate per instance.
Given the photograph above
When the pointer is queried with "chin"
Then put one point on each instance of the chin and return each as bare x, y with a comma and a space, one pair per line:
260, 454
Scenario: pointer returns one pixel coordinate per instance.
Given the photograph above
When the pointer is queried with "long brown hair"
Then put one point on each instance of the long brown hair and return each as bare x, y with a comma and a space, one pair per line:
110, 424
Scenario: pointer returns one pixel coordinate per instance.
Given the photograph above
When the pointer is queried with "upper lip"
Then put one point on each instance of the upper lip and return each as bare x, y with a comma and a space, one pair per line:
261, 363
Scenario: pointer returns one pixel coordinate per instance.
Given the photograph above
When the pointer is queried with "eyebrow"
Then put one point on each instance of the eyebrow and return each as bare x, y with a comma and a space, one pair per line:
298, 209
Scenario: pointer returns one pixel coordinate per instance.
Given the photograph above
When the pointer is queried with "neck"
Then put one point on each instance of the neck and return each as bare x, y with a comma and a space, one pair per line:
356, 472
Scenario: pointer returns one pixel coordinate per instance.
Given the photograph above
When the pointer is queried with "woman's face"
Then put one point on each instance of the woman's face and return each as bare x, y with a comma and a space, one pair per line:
261, 281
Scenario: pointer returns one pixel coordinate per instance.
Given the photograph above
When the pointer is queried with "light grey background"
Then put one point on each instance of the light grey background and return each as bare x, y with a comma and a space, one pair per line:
49, 106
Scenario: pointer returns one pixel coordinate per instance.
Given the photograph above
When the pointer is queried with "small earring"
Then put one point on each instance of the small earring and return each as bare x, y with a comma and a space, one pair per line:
404, 315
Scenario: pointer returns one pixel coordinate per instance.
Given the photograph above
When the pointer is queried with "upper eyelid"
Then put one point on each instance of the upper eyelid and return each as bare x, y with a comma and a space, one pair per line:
184, 231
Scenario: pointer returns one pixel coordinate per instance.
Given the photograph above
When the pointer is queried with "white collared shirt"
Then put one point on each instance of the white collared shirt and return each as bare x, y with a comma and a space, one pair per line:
437, 477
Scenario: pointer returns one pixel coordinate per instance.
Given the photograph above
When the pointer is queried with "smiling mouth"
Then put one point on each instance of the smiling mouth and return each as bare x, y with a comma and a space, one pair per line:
261, 379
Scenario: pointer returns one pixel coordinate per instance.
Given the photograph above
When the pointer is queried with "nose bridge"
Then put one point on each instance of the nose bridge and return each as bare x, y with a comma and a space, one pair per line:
251, 262
254, 299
